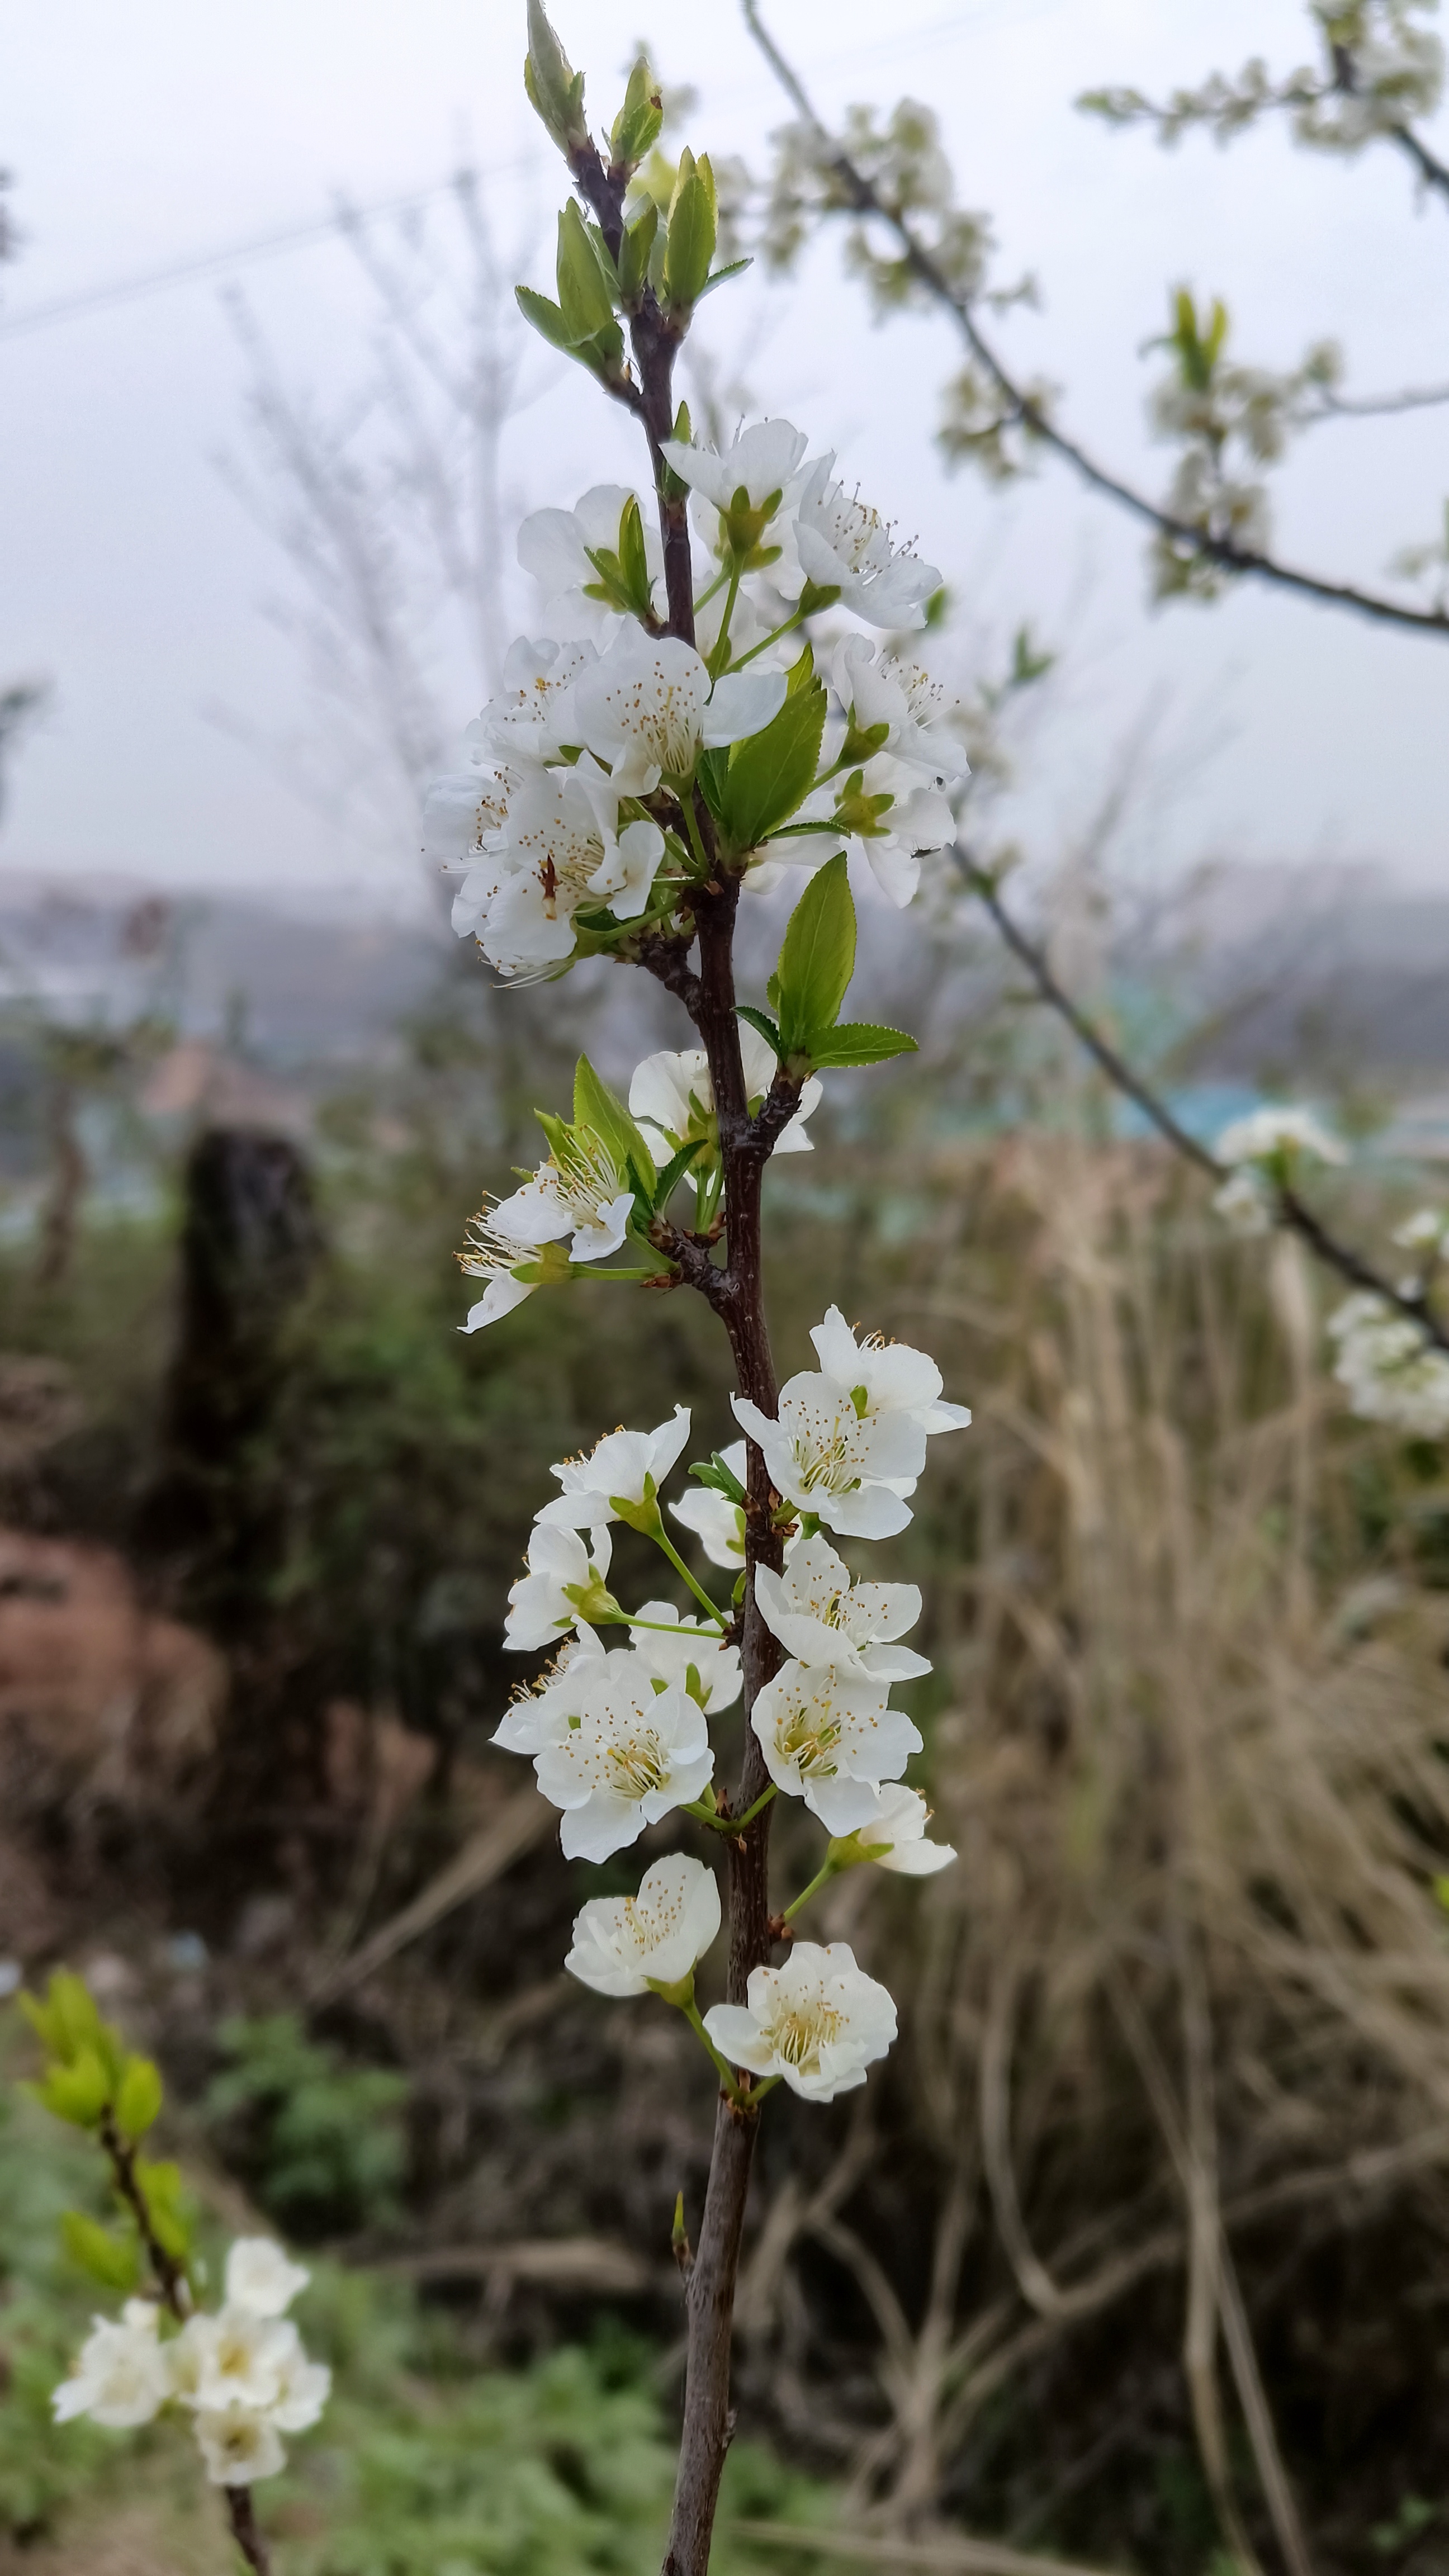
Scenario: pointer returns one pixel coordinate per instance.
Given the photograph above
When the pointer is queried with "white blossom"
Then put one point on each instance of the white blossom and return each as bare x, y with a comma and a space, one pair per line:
688, 1647
894, 1835
560, 852
841, 542
235, 2358
759, 461
239, 2445
260, 2277
463, 815
673, 1094
556, 545
1244, 1203
533, 716
850, 1440
1390, 1372
303, 2389
717, 1523
580, 1192
829, 1736
623, 1945
623, 1752
876, 689
647, 708
818, 2020
1427, 1230
540, 1607
823, 1458
1269, 1135
494, 1256
821, 1617
885, 814
121, 2376
628, 1464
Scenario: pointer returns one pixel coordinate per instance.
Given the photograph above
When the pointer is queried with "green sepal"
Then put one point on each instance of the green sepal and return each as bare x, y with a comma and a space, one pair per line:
113, 2260
674, 1170
693, 225
720, 1479
596, 1106
139, 2098
817, 958
855, 1042
634, 250
770, 774
735, 268
674, 486
818, 595
762, 1021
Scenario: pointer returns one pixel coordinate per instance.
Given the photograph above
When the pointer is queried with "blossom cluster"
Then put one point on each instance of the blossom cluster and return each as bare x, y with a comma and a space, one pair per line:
241, 2375
574, 829
620, 1736
1265, 1152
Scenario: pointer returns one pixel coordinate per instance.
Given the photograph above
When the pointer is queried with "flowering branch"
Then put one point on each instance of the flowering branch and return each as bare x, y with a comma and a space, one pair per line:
1188, 541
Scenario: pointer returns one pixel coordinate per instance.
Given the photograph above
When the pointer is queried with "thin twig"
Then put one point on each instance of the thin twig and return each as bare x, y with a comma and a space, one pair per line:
1292, 1210
865, 199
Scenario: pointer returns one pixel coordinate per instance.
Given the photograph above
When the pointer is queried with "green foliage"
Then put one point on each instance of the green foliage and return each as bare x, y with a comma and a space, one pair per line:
636, 127
45, 2179
555, 90
98, 2252
320, 2143
817, 957
89, 2072
768, 776
693, 229
598, 1108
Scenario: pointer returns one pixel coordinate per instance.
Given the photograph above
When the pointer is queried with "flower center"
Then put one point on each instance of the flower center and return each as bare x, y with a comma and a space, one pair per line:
637, 1767
809, 1740
798, 2032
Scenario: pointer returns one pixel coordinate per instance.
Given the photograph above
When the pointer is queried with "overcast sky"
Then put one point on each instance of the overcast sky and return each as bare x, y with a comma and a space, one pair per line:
131, 578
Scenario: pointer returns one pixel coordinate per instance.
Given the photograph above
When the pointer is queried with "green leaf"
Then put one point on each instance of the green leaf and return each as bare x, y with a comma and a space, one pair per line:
161, 2188
555, 90
545, 317
735, 268
817, 957
800, 673
93, 2249
855, 1042
674, 1171
720, 1479
138, 2102
633, 561
634, 250
693, 225
583, 291
637, 124
79, 2091
770, 774
760, 1020
596, 1106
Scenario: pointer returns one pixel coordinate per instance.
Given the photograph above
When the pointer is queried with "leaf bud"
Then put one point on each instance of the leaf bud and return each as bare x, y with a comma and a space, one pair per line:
555, 90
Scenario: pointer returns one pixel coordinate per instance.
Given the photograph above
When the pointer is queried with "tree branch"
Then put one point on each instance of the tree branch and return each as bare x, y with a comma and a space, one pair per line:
1291, 1209
865, 199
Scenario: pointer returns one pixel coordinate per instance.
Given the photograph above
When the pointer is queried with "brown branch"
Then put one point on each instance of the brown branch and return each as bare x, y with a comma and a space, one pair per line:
1433, 173
1292, 1211
170, 2277
865, 199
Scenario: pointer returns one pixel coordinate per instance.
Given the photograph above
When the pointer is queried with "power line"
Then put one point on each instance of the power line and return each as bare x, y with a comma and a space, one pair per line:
65, 308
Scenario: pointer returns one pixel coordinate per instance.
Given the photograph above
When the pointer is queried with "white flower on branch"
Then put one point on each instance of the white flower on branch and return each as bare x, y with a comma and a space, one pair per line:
533, 716
1388, 1370
303, 2389
556, 546
875, 689
885, 815
894, 1834
818, 2021
829, 1736
1276, 1136
1427, 1230
543, 1604
690, 1654
259, 2277
625, 1465
624, 1945
619, 1750
842, 543
239, 2445
717, 1523
560, 852
850, 1440
752, 487
122, 2375
579, 1192
672, 1094
236, 2358
647, 709
821, 1617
